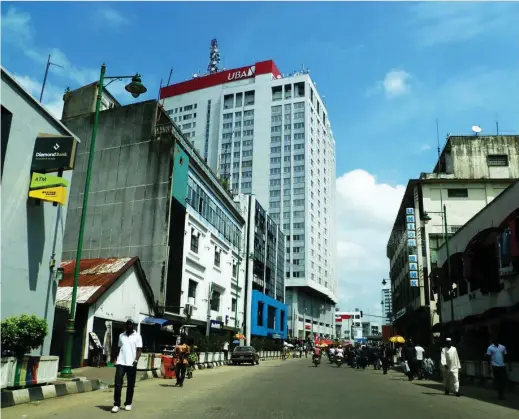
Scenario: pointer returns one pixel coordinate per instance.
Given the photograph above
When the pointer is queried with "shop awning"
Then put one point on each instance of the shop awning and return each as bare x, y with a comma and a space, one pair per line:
154, 320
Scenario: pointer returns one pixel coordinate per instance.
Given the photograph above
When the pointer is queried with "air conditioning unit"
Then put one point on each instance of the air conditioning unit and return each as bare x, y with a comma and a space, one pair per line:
188, 310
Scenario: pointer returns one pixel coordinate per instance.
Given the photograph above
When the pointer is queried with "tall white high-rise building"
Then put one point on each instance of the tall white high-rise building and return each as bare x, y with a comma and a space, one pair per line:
269, 134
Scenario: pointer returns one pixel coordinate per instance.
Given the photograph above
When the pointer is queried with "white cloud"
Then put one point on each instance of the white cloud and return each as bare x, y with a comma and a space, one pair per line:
17, 30
366, 210
451, 22
53, 96
395, 83
113, 17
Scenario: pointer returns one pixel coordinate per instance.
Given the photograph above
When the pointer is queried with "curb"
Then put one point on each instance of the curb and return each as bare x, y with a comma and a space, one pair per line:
82, 385
36, 394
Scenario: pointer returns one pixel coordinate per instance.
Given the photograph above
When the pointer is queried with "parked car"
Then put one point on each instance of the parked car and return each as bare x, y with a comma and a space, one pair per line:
242, 354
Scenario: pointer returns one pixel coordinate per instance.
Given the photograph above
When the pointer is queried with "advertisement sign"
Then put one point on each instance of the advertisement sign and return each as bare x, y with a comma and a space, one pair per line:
52, 153
216, 324
413, 258
409, 211
414, 282
58, 194
413, 274
40, 180
411, 242
504, 251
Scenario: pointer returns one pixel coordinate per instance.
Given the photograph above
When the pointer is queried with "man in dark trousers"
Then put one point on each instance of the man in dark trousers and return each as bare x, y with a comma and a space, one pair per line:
409, 355
385, 353
496, 354
130, 349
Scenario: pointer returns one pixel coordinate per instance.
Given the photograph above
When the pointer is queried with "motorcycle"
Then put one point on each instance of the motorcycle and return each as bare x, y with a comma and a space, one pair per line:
331, 358
339, 359
316, 360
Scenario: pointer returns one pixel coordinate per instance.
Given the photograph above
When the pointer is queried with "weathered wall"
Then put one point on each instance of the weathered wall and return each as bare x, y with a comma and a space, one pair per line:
469, 156
129, 190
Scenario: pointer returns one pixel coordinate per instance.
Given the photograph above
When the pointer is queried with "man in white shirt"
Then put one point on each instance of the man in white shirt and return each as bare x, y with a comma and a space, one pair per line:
451, 366
130, 349
225, 350
496, 354
419, 361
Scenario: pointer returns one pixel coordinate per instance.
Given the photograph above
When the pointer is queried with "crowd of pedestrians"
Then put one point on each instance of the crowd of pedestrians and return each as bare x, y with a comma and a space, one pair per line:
417, 364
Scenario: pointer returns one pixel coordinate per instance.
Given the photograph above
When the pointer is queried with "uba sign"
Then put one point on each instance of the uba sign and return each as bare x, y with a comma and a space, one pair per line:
242, 73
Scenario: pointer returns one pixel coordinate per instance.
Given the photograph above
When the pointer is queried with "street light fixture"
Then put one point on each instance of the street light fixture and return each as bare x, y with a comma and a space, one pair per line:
136, 88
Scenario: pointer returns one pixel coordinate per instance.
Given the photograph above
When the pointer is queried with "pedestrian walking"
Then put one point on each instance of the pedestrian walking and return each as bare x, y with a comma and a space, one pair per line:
130, 349
409, 356
419, 361
428, 367
385, 353
451, 365
226, 350
181, 354
497, 357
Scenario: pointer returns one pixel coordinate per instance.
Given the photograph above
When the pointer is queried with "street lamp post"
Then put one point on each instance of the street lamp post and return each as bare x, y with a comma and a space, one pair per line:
136, 88
426, 218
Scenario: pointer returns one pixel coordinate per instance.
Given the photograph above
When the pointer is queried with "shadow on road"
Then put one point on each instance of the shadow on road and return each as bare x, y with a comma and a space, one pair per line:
476, 393
105, 408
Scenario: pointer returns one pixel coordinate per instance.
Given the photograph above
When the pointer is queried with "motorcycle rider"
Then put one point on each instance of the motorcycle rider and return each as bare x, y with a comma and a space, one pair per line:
317, 353
339, 354
331, 353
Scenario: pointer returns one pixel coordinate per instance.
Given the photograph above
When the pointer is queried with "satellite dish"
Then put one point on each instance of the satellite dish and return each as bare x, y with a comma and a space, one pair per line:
476, 129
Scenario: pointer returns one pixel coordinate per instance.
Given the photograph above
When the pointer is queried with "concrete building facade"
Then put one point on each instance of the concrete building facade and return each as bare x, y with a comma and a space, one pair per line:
269, 134
479, 298
264, 262
470, 173
148, 181
32, 231
387, 305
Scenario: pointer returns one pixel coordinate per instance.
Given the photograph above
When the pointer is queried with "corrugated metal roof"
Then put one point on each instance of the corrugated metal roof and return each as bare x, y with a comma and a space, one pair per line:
95, 277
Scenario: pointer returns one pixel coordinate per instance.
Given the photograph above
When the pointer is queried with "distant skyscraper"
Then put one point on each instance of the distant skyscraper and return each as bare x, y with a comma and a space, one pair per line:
387, 306
269, 134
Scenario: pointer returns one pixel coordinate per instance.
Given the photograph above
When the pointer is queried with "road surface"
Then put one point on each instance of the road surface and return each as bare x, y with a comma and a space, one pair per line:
282, 390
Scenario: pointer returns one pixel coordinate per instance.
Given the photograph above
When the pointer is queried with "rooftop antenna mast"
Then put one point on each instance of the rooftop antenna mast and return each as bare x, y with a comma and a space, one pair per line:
49, 63
214, 58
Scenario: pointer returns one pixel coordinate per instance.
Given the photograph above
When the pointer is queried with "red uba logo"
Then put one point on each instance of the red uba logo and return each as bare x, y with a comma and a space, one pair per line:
242, 74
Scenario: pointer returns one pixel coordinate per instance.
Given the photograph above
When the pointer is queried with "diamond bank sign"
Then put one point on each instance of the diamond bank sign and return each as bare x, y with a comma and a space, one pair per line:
242, 73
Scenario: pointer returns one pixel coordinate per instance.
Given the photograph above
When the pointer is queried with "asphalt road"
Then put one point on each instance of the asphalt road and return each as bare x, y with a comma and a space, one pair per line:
281, 390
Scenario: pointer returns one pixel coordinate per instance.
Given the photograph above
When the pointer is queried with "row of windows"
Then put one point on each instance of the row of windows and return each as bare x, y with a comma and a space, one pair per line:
297, 157
288, 127
207, 208
287, 148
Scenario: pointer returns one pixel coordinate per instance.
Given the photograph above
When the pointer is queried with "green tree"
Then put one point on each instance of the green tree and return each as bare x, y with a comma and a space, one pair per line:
21, 334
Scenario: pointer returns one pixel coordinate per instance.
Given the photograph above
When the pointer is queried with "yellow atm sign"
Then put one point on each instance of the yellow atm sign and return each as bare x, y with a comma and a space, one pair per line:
39, 181
57, 194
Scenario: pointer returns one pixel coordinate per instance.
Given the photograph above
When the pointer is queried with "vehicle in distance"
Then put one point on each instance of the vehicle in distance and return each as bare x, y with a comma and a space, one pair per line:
244, 354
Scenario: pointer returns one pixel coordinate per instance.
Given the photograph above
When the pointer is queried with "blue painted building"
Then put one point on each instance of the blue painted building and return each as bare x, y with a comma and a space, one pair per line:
269, 317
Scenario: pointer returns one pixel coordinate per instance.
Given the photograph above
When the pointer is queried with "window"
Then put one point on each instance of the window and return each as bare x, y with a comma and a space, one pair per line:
299, 125
275, 139
191, 291
215, 301
458, 193
261, 309
234, 270
227, 116
194, 241
6, 129
233, 305
497, 160
275, 149
216, 257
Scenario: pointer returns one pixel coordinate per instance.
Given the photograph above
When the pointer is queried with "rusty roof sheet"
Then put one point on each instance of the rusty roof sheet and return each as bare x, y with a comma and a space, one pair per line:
95, 277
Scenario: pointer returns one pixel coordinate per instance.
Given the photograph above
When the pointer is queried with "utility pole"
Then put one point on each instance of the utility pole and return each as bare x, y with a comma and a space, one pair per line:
209, 298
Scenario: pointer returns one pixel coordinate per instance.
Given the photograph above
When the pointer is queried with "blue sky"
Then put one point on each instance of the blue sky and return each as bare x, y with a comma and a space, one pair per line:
387, 72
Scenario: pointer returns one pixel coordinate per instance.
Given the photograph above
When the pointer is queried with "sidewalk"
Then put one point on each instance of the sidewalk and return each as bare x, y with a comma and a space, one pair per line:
467, 390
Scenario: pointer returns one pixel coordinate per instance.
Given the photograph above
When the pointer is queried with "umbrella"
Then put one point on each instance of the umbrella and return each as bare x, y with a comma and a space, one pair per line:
397, 339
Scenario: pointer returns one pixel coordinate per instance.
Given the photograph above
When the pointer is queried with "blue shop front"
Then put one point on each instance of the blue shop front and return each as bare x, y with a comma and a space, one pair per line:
269, 317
